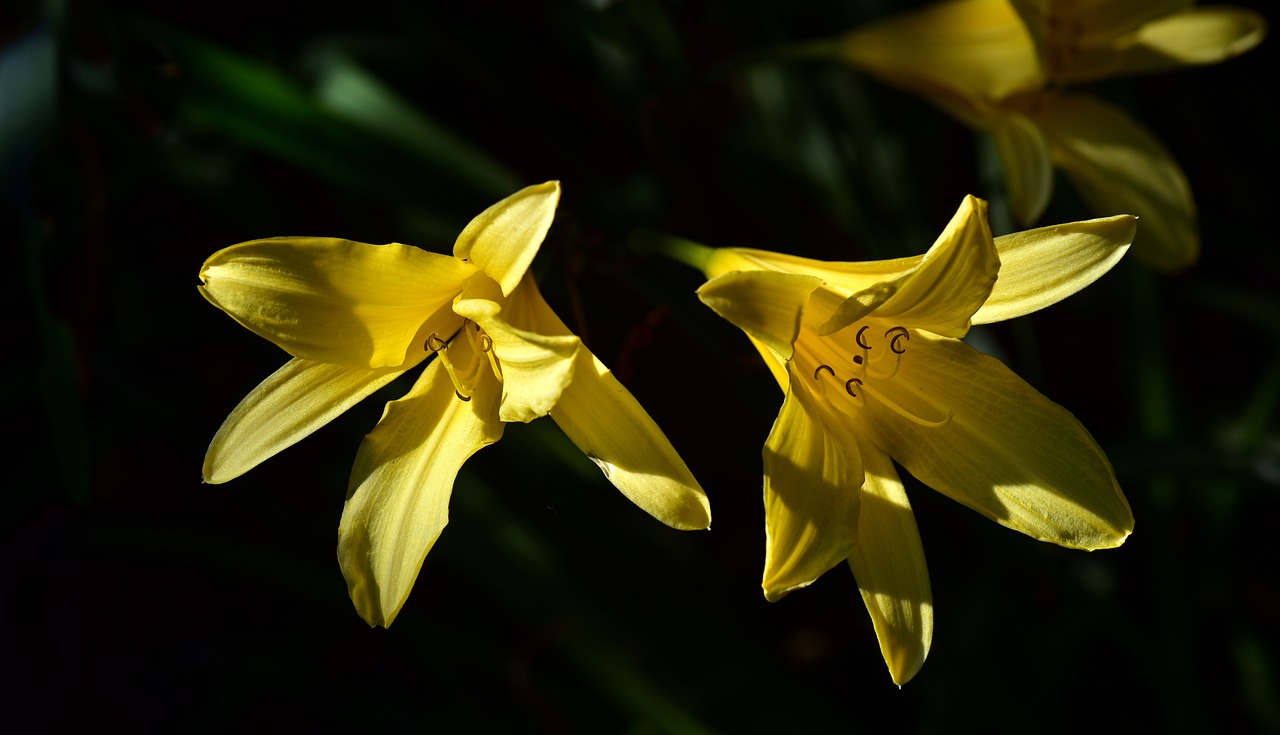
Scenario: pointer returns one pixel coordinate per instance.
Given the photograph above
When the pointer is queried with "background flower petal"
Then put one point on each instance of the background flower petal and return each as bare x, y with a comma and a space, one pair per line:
1193, 37
503, 239
888, 562
285, 408
1007, 452
1117, 166
977, 48
398, 501
1044, 266
336, 301
812, 479
1028, 168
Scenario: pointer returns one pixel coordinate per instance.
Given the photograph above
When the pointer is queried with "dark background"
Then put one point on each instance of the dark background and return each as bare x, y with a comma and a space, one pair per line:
139, 140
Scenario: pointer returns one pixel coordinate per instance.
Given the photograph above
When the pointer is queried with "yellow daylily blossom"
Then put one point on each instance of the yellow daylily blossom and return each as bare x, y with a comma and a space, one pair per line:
870, 359
353, 316
1004, 65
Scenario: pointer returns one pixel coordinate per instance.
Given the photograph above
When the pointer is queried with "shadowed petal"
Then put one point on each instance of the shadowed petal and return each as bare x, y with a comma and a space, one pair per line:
812, 478
1117, 166
503, 239
398, 502
767, 305
888, 562
1028, 169
336, 301
1044, 266
1007, 452
294, 401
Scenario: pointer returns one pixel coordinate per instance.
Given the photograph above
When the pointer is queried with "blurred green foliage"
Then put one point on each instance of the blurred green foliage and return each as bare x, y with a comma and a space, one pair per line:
135, 141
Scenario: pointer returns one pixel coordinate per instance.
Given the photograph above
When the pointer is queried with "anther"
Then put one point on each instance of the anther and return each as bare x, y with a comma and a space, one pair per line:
898, 333
858, 338
848, 386
820, 368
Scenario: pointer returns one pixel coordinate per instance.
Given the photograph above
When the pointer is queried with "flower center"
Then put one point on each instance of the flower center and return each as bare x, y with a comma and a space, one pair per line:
848, 374
479, 342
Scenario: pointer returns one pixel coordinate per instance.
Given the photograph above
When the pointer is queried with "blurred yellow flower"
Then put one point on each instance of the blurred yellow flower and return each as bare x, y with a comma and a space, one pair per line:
870, 359
354, 316
1003, 65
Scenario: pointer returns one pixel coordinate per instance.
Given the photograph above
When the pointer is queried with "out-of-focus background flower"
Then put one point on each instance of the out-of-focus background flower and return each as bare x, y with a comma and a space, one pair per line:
135, 142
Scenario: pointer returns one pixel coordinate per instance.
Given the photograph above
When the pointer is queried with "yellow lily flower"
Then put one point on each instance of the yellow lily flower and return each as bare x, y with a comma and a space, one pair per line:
870, 360
1002, 66
354, 316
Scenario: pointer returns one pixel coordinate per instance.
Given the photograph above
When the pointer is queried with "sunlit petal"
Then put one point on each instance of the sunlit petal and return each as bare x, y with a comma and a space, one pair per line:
812, 479
953, 279
765, 304
888, 562
1044, 266
336, 301
1007, 451
398, 502
503, 239
603, 419
1117, 166
294, 401
535, 367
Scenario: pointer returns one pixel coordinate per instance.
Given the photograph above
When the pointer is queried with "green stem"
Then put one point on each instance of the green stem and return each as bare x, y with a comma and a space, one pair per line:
686, 251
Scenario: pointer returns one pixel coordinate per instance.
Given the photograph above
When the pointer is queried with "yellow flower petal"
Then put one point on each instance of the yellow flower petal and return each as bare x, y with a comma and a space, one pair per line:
975, 48
535, 367
952, 280
503, 239
1007, 451
812, 479
1028, 169
294, 401
603, 419
398, 502
1044, 266
1195, 37
337, 301
888, 562
1117, 166
767, 305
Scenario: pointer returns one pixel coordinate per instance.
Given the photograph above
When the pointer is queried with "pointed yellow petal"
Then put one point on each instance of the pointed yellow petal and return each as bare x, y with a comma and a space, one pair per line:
767, 305
1028, 169
1117, 166
1195, 37
975, 48
398, 502
1044, 266
1007, 452
294, 401
503, 239
812, 479
536, 368
953, 279
843, 278
888, 562
336, 301
609, 425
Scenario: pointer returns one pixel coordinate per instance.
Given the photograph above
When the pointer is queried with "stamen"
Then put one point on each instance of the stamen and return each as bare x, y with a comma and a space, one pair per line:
898, 333
820, 368
906, 414
441, 348
850, 382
